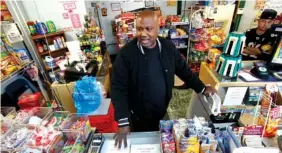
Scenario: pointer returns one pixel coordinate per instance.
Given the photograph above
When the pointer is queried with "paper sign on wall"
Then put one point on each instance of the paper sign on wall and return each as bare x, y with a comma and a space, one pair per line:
75, 21
69, 6
66, 15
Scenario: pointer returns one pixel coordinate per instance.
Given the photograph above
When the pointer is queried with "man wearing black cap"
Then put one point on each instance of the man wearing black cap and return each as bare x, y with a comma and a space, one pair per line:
259, 40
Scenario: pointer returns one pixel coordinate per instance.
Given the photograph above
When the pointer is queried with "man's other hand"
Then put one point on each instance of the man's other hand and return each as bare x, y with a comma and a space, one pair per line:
121, 136
252, 51
209, 91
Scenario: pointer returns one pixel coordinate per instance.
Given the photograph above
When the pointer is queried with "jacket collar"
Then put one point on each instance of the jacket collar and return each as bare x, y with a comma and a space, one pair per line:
141, 48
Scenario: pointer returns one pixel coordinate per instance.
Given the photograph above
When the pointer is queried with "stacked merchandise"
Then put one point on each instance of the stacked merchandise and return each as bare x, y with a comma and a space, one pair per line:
12, 60
175, 28
203, 36
125, 28
50, 45
90, 39
5, 13
58, 131
167, 139
187, 135
194, 134
229, 62
40, 28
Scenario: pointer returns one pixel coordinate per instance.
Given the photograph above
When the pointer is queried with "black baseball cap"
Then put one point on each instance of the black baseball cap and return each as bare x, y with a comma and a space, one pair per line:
268, 14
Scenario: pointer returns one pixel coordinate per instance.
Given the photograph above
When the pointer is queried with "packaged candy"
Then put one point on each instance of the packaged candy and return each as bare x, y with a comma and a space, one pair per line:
42, 138
78, 123
168, 147
166, 126
55, 119
16, 137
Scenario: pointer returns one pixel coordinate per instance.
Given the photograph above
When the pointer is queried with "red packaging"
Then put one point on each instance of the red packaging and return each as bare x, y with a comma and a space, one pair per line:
31, 100
253, 130
168, 147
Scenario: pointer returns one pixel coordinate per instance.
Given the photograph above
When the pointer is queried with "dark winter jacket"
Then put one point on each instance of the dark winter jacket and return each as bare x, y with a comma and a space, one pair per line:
128, 79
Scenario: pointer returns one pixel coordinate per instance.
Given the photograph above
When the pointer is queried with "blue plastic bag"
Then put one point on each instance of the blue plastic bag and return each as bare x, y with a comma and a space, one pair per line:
87, 95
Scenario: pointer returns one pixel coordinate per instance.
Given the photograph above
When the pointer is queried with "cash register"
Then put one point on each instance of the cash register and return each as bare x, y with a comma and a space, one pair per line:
274, 65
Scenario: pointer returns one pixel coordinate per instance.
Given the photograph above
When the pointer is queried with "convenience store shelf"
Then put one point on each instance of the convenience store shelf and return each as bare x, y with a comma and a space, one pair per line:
54, 51
16, 72
47, 35
49, 68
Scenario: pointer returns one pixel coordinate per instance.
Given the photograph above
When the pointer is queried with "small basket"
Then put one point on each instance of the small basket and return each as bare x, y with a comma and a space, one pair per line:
20, 144
51, 120
42, 112
84, 130
42, 147
61, 143
8, 112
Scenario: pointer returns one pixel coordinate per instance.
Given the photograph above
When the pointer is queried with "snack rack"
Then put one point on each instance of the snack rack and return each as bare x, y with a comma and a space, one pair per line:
125, 28
194, 63
266, 112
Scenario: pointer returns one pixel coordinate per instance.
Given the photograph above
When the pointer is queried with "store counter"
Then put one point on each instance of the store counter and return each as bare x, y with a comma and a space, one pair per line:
209, 76
135, 138
199, 107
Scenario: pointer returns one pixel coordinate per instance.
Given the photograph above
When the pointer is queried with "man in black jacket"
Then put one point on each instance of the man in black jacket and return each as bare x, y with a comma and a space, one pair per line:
143, 77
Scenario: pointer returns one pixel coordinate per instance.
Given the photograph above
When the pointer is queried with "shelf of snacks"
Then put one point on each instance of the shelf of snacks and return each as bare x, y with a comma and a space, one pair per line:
54, 51
12, 60
203, 35
5, 13
177, 20
125, 28
50, 43
91, 36
42, 36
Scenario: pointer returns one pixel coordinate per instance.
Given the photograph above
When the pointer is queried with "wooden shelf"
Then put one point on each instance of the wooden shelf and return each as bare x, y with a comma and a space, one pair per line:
54, 51
47, 35
48, 68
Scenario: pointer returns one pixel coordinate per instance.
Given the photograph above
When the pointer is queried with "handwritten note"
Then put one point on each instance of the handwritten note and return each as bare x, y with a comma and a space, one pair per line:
234, 96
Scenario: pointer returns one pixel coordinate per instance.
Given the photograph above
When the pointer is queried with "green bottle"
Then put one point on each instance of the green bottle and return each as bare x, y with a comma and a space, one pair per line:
51, 26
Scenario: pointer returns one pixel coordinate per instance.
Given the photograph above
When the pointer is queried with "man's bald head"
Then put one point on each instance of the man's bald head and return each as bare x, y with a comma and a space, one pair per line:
148, 14
147, 28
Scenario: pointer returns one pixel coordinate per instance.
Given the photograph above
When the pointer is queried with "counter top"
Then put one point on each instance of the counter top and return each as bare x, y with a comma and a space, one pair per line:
135, 138
209, 76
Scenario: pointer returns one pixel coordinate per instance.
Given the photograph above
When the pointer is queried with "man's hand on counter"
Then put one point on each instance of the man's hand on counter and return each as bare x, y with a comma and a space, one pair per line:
209, 91
121, 136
